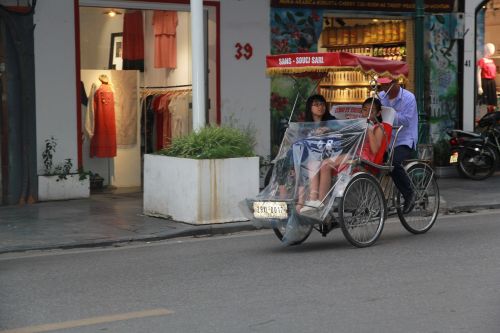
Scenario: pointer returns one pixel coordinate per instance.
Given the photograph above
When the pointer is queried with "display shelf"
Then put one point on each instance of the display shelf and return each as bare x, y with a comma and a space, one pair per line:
350, 101
345, 85
364, 45
389, 50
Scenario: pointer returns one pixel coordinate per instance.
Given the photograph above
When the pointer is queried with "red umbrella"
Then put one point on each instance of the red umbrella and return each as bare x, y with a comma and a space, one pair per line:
314, 64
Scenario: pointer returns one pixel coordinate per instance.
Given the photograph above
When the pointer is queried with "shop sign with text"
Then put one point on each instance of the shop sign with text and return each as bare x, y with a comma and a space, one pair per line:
369, 5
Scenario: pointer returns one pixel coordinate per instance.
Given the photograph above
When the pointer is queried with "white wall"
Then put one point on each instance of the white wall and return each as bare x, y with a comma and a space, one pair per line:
245, 88
55, 78
244, 85
95, 37
469, 63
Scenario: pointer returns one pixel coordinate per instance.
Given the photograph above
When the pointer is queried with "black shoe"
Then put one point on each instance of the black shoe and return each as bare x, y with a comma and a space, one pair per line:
409, 204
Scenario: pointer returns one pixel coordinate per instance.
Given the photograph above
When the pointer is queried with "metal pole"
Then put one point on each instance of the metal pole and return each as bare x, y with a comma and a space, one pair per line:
198, 61
419, 75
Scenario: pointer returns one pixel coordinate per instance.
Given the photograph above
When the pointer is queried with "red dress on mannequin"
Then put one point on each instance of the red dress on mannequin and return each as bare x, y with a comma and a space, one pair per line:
103, 142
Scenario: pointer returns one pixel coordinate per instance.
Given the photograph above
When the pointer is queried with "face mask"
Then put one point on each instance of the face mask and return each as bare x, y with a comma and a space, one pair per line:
388, 90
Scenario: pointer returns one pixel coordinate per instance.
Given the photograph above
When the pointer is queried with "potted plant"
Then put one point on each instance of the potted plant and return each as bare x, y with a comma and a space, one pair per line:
442, 165
57, 182
201, 177
96, 181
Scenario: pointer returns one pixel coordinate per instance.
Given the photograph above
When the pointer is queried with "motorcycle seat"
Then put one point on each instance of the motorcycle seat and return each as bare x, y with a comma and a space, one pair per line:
466, 133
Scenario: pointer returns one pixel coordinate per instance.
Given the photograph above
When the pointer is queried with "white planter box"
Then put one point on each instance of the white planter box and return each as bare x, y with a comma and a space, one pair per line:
199, 191
70, 188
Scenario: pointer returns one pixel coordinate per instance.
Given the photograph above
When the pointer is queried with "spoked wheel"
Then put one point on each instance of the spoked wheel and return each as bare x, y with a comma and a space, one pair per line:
424, 214
301, 233
477, 162
362, 210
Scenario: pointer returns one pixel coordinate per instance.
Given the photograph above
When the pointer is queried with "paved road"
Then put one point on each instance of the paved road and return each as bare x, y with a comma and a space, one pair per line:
445, 281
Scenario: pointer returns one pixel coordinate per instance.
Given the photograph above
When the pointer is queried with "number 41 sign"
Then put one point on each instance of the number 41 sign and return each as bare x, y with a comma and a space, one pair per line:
245, 51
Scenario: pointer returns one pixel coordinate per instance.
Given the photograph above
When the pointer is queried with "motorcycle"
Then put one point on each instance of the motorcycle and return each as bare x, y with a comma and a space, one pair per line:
477, 155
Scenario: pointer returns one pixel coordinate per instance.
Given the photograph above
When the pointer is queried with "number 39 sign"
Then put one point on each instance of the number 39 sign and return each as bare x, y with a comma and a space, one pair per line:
245, 51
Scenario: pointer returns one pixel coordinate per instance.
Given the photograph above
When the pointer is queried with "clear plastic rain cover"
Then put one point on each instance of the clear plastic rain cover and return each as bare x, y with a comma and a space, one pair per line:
310, 173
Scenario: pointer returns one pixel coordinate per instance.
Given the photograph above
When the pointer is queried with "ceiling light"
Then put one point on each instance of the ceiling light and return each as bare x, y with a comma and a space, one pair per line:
112, 13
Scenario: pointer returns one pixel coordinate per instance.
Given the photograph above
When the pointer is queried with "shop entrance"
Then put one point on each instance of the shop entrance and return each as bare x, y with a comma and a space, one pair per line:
136, 86
384, 37
487, 58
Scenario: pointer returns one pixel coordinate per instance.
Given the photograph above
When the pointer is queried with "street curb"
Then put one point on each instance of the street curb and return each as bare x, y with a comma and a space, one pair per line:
472, 208
205, 230
195, 231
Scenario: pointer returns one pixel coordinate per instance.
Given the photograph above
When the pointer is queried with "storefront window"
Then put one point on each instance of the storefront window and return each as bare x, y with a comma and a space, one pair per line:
136, 85
487, 58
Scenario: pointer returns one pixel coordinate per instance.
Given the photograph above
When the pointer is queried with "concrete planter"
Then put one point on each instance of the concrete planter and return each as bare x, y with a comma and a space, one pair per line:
70, 188
198, 191
446, 171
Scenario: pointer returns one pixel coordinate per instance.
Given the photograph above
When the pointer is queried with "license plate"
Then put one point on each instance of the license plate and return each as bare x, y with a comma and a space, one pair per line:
270, 210
454, 158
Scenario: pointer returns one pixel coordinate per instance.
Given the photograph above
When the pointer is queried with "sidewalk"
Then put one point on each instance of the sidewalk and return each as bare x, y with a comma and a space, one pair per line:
107, 219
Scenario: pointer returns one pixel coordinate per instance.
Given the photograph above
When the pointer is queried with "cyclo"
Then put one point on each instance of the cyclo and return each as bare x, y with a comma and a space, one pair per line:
362, 194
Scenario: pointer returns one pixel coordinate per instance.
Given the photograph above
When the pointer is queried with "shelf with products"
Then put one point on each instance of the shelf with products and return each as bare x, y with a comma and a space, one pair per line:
388, 51
350, 101
391, 31
360, 48
336, 94
344, 85
345, 79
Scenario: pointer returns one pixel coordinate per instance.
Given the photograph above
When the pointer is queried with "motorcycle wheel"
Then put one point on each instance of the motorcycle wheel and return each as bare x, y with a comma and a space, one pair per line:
476, 162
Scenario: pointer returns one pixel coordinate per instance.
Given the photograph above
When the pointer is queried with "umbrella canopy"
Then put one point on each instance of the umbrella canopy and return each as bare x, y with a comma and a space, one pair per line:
312, 64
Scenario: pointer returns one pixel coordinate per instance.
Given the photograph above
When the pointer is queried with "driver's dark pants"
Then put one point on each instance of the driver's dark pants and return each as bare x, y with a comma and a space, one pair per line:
398, 174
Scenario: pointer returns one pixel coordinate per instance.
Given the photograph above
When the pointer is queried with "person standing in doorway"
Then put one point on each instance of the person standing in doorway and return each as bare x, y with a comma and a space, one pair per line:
405, 104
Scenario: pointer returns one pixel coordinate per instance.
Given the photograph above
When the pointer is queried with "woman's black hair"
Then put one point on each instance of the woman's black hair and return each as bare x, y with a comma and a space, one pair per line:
309, 103
377, 106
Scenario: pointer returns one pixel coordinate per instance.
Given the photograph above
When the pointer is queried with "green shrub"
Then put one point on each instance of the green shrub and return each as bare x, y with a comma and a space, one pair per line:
212, 142
442, 152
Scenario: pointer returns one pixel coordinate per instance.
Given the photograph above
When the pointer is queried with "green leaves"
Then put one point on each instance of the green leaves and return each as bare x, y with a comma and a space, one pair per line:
61, 170
212, 142
48, 154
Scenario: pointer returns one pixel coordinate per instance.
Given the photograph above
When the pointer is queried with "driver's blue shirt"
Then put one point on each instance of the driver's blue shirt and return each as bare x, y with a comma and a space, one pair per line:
406, 115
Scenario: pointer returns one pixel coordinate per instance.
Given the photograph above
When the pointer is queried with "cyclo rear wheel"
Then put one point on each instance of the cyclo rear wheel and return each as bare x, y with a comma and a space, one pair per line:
424, 214
362, 210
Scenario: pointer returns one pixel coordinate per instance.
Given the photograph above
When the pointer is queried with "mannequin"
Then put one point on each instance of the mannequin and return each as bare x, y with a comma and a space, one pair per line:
103, 142
486, 73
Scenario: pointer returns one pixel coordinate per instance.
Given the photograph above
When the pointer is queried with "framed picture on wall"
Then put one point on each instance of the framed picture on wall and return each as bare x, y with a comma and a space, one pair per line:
115, 51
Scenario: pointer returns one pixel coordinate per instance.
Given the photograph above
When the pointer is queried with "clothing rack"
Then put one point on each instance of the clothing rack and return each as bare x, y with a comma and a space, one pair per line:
166, 87
160, 90
163, 90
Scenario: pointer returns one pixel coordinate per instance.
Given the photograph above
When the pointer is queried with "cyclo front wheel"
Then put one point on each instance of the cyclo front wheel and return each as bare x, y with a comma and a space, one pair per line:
279, 228
424, 214
362, 210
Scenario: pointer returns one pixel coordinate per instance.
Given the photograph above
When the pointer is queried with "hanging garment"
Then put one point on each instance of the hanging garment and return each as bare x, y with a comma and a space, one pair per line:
164, 27
125, 95
181, 115
147, 125
88, 117
83, 94
103, 143
166, 138
133, 41
158, 122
